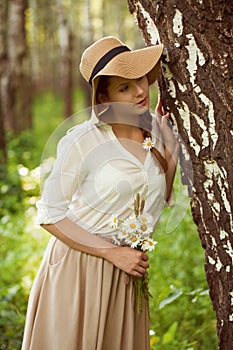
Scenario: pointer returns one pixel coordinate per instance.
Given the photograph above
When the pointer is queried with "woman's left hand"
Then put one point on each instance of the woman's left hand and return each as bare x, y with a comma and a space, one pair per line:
170, 142
171, 145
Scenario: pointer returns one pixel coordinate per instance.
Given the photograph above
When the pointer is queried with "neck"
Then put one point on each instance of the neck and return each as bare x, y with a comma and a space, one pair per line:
127, 132
124, 125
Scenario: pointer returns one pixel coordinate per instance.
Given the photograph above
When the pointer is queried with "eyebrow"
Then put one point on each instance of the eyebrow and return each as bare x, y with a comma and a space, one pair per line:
120, 85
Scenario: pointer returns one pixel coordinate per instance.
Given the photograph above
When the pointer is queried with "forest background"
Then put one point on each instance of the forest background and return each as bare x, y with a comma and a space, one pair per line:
41, 88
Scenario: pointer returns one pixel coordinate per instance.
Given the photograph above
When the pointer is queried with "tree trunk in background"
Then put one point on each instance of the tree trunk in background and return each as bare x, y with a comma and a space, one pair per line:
34, 47
65, 41
43, 42
3, 60
18, 89
197, 88
119, 11
87, 39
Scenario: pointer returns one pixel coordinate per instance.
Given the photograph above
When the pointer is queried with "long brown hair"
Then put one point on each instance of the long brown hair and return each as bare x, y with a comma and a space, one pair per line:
145, 123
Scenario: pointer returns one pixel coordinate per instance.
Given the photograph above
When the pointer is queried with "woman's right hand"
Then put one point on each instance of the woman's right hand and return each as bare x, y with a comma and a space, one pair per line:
132, 261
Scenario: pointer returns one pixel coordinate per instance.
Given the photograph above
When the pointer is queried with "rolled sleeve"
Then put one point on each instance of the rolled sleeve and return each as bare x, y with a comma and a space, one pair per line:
47, 214
61, 184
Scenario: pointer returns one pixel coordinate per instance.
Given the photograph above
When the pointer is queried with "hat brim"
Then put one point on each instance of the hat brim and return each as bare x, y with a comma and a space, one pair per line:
132, 65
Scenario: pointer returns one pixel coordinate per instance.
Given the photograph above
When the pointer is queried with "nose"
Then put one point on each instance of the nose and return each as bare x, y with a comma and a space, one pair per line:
138, 88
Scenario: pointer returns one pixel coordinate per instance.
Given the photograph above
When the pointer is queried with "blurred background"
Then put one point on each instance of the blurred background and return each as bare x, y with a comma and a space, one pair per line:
41, 90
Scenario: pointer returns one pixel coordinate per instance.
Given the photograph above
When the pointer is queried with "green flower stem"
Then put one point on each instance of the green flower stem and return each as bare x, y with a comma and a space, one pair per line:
142, 291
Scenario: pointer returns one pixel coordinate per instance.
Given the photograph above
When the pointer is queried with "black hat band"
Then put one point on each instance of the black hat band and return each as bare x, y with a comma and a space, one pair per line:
105, 59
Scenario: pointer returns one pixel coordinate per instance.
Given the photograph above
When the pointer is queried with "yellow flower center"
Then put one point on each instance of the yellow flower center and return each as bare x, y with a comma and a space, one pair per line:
114, 220
143, 219
143, 227
132, 226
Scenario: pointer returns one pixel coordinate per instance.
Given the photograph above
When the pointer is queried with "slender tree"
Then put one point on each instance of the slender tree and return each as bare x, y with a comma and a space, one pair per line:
18, 88
3, 60
65, 41
197, 88
33, 33
43, 42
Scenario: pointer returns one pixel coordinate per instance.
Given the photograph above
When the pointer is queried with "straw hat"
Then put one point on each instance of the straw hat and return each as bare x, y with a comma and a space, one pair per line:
109, 56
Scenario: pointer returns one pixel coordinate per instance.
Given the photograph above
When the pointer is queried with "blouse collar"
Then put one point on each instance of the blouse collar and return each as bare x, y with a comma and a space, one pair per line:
96, 120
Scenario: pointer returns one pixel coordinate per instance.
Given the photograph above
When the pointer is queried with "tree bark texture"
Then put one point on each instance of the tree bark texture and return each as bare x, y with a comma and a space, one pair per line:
3, 60
17, 96
197, 88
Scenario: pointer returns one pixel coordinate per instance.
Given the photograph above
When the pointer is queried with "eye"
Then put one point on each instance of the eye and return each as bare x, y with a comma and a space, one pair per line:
124, 88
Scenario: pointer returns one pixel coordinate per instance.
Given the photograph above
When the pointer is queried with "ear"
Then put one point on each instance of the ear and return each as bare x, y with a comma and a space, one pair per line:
102, 98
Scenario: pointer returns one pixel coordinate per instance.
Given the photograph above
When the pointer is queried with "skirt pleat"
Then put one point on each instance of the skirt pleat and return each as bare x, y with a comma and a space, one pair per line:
81, 302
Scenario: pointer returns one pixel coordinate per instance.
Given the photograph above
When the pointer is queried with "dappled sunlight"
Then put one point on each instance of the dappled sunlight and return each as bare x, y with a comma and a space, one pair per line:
181, 313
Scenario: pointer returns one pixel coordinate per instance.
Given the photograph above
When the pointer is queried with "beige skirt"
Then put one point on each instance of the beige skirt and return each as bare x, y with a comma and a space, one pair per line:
81, 302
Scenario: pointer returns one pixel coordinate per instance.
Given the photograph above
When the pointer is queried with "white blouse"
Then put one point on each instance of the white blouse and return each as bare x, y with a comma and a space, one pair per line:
94, 177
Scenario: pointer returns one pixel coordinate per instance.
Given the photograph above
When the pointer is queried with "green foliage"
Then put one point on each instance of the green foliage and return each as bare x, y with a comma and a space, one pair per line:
21, 249
10, 190
12, 295
21, 241
181, 313
47, 116
180, 309
14, 186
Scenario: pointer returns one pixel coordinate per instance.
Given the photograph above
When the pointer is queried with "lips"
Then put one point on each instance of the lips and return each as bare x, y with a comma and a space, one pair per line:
142, 102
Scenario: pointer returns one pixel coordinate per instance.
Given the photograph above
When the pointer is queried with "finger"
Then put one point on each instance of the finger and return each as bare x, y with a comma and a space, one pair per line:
137, 274
160, 102
145, 257
140, 270
165, 118
159, 105
144, 265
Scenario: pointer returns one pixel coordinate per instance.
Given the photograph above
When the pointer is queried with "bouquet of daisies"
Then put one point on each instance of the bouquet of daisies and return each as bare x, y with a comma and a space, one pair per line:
136, 232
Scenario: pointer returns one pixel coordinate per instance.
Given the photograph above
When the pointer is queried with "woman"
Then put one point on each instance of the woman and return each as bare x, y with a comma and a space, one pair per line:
84, 296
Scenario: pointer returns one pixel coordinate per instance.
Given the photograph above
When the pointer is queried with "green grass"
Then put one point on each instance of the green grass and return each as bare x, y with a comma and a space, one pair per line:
182, 317
180, 310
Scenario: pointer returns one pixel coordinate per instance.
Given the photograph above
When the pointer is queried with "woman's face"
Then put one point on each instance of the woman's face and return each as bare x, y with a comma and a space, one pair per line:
128, 98
134, 91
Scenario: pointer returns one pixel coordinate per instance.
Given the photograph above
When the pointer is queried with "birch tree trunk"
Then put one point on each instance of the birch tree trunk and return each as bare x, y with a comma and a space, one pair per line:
18, 89
198, 90
3, 60
87, 39
34, 47
65, 41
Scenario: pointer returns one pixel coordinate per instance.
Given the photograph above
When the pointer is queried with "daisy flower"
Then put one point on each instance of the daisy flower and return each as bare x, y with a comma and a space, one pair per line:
146, 219
136, 232
131, 225
122, 234
145, 229
133, 241
148, 143
148, 244
114, 221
